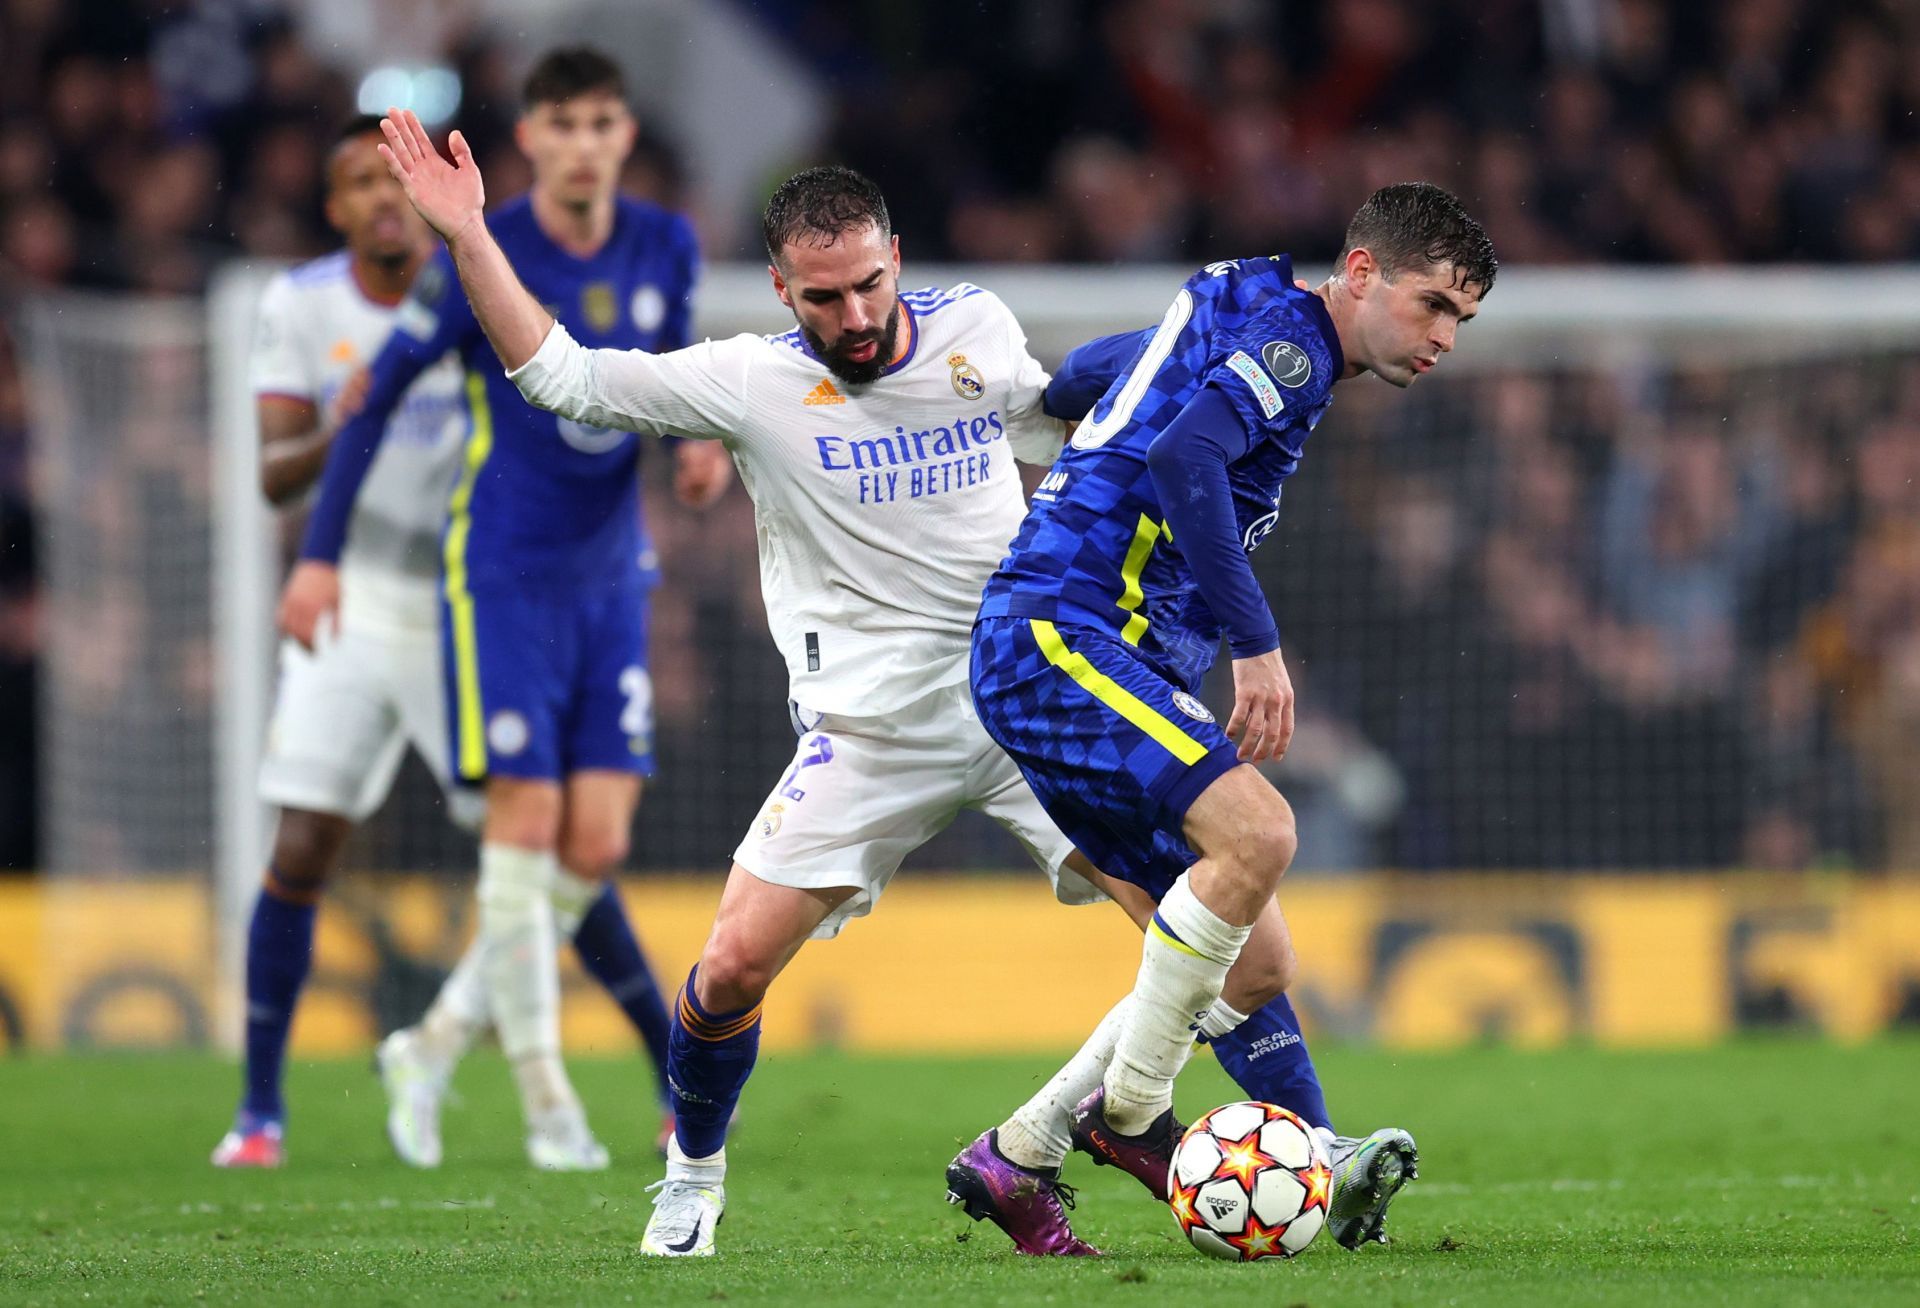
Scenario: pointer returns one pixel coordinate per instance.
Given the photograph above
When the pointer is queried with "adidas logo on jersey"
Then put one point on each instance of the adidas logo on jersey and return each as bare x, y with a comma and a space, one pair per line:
825, 393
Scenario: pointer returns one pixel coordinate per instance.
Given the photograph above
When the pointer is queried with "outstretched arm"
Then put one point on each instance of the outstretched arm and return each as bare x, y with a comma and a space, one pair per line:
692, 392
451, 198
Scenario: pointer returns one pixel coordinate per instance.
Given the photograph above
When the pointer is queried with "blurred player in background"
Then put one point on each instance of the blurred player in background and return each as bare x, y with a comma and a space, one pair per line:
347, 708
1095, 632
546, 572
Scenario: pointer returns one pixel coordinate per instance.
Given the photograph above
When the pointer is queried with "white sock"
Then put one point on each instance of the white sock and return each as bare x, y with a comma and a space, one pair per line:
572, 897
1037, 1136
522, 976
1221, 1020
711, 1170
458, 1015
1182, 970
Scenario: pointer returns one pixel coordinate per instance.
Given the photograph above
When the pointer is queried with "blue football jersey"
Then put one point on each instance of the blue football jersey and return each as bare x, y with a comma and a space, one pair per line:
539, 499
1095, 547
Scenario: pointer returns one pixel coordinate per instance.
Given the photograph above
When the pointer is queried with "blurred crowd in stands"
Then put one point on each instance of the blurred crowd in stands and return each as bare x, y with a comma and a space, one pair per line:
1565, 620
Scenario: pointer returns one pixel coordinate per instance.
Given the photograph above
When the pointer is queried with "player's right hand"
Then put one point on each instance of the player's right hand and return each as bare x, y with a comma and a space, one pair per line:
1262, 722
448, 195
351, 398
311, 601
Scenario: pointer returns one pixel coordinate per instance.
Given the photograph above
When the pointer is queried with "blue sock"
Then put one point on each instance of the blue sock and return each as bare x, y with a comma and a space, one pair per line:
279, 952
608, 950
1267, 1057
709, 1058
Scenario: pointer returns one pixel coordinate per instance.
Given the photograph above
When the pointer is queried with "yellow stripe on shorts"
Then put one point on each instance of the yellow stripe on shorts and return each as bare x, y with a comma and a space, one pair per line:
1115, 696
472, 763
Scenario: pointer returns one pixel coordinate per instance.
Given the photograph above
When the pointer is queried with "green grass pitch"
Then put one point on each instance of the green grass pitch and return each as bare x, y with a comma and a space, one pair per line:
1758, 1173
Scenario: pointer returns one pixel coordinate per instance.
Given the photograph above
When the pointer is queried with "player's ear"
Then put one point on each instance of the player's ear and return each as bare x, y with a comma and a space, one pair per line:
520, 133
1360, 270
894, 244
780, 285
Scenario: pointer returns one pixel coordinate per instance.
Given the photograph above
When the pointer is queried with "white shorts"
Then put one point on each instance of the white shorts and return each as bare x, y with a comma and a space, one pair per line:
863, 793
344, 715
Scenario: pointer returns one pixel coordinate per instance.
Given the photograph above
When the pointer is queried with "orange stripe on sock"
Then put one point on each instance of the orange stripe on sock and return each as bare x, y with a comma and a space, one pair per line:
704, 1028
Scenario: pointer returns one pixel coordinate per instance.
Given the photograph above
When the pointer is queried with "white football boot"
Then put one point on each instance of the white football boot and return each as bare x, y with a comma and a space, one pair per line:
684, 1215
415, 1090
559, 1141
1368, 1172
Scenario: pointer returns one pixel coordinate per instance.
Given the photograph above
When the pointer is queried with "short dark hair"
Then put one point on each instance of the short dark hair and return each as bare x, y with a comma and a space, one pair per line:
823, 204
1420, 225
570, 70
357, 126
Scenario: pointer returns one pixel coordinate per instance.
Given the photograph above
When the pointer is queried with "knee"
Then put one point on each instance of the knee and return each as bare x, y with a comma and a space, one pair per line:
304, 849
594, 855
1266, 847
1257, 981
525, 815
733, 975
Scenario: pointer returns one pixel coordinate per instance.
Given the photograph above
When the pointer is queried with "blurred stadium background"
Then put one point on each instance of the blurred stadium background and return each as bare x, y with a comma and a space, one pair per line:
1607, 639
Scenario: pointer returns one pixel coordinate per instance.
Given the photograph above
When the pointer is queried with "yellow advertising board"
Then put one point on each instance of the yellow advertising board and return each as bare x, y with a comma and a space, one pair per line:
968, 964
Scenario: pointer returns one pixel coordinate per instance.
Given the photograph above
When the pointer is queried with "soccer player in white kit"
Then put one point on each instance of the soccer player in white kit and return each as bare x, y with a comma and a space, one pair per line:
877, 440
347, 710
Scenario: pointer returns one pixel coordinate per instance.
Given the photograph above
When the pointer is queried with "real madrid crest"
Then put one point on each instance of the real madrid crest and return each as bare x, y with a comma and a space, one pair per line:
598, 306
967, 382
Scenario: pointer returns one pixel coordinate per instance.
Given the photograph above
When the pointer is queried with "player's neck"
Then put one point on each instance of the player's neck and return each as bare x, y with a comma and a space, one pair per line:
580, 230
1340, 308
385, 281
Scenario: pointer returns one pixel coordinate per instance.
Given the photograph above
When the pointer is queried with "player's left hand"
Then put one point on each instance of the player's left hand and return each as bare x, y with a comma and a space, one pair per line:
701, 473
1262, 722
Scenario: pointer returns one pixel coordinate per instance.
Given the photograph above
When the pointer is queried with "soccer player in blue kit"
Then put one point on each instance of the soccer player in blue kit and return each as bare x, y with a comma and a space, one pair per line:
1096, 630
546, 569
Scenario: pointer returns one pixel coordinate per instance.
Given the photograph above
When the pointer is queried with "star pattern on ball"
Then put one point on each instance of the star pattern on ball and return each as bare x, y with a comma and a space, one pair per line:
1319, 1179
1182, 1200
1243, 1159
1259, 1240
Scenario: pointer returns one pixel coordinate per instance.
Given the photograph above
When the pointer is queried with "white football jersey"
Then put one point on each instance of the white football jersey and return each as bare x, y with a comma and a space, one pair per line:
882, 508
316, 326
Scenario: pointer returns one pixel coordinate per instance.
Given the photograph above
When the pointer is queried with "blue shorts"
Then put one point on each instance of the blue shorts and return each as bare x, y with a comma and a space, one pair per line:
541, 685
1115, 752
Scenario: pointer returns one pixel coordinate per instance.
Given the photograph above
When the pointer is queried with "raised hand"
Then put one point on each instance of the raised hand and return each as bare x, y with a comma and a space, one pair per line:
448, 195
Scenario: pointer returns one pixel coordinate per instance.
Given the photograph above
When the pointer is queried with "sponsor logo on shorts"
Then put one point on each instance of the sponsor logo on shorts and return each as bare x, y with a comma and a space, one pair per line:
1288, 363
1192, 707
507, 733
967, 382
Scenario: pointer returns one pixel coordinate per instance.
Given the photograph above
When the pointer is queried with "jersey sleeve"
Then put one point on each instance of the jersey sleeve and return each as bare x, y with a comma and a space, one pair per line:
434, 319
280, 364
1188, 462
1090, 369
699, 391
1033, 434
1273, 371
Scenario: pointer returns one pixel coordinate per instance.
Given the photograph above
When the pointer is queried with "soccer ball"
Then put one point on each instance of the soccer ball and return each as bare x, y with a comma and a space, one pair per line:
1250, 1181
